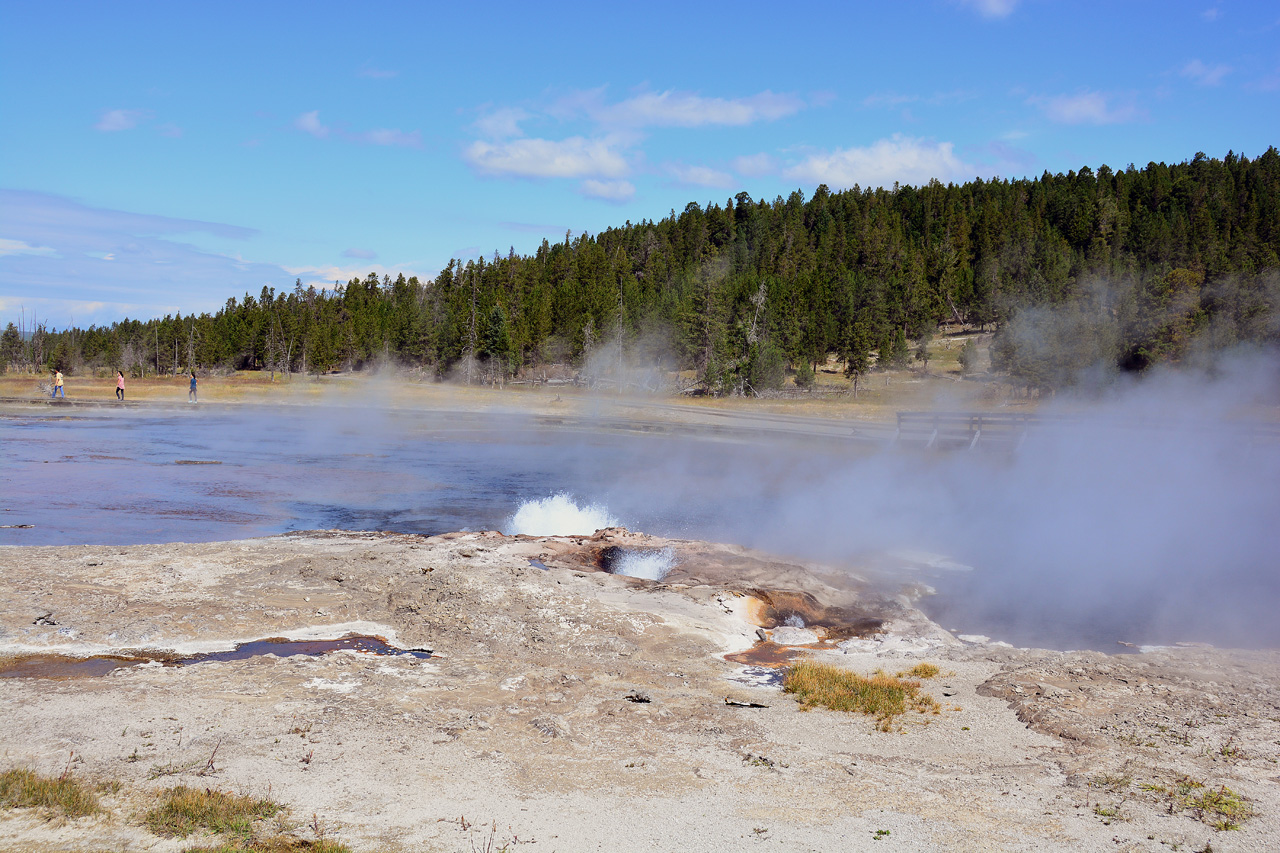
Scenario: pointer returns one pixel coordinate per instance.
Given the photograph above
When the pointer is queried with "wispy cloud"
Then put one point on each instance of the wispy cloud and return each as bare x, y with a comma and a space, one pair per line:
1205, 75
360, 254
325, 276
609, 144
616, 192
1000, 158
1212, 14
310, 123
1087, 108
111, 121
502, 123
60, 313
575, 157
686, 109
699, 176
21, 247
992, 8
67, 253
755, 165
897, 159
172, 131
898, 99
1266, 83
390, 136
889, 99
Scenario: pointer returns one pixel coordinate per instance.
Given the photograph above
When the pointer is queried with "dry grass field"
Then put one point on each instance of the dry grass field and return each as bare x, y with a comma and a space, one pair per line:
880, 394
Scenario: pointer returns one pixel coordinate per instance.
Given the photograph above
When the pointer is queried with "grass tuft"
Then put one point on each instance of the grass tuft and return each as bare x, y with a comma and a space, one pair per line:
881, 696
276, 844
1221, 808
185, 810
64, 796
1113, 782
921, 670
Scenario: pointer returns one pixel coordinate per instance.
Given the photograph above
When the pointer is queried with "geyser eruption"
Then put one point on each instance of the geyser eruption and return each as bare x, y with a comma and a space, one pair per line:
652, 564
559, 515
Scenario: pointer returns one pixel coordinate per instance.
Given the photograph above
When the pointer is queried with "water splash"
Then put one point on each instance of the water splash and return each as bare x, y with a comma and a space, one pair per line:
651, 564
559, 515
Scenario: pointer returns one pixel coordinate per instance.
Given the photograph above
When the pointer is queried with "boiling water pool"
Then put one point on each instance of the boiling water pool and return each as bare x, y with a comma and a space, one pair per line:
225, 474
1078, 541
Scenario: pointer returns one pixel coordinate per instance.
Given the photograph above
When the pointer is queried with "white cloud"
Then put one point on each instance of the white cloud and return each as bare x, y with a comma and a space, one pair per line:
325, 276
611, 191
114, 120
1211, 14
603, 158
64, 311
310, 123
685, 109
898, 159
134, 264
754, 165
361, 254
389, 136
171, 130
898, 99
992, 8
1086, 108
502, 123
1205, 75
20, 247
575, 157
700, 176
889, 99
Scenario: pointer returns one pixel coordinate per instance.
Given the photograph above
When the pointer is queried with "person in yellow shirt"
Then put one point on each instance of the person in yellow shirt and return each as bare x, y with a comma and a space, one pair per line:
57, 385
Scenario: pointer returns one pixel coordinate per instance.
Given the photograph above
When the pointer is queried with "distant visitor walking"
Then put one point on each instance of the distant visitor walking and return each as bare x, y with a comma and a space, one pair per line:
119, 385
191, 395
57, 385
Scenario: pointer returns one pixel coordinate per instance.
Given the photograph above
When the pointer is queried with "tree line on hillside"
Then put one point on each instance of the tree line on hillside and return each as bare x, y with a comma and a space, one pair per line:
1126, 268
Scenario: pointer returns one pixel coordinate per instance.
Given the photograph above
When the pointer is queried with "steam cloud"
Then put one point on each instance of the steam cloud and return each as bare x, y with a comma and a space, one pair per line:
1152, 515
1149, 512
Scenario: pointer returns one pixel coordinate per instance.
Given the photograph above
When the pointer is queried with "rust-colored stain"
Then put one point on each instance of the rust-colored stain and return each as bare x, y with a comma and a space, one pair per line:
766, 653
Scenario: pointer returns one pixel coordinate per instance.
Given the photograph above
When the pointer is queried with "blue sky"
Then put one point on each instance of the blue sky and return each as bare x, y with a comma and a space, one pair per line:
159, 157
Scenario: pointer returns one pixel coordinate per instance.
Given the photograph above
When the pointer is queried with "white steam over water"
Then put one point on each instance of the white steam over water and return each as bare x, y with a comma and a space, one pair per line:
559, 515
651, 565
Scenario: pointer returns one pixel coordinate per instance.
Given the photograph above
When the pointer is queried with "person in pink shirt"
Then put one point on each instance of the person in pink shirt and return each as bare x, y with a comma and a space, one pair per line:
119, 385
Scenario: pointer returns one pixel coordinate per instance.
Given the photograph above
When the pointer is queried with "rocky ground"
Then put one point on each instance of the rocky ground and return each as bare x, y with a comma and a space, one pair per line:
566, 708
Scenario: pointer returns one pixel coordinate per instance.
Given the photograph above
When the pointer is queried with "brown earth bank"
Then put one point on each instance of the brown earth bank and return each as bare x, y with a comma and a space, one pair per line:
566, 708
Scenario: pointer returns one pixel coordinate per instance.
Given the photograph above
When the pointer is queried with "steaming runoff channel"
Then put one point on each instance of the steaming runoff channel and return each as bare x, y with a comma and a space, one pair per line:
1140, 517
